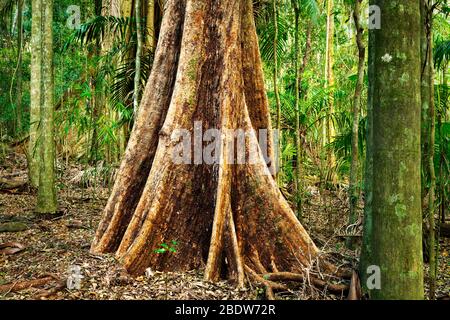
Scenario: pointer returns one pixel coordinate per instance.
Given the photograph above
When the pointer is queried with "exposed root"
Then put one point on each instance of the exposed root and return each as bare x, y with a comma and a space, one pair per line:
270, 281
26, 284
269, 293
266, 282
270, 285
290, 276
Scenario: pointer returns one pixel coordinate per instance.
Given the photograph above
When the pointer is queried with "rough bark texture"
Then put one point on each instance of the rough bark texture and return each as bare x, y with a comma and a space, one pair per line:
396, 202
228, 218
142, 145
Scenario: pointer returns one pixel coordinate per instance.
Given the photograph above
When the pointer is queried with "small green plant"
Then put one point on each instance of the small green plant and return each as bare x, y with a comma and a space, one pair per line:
164, 247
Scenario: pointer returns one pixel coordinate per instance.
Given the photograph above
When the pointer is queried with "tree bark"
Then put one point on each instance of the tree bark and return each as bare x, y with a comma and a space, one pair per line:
46, 201
396, 204
225, 217
33, 155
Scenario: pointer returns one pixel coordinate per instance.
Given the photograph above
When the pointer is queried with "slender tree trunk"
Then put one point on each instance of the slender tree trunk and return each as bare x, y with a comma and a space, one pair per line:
442, 174
329, 80
275, 90
150, 35
46, 202
299, 69
431, 201
432, 191
229, 218
35, 93
298, 188
97, 97
354, 167
19, 66
367, 253
137, 75
396, 204
426, 51
428, 185
442, 117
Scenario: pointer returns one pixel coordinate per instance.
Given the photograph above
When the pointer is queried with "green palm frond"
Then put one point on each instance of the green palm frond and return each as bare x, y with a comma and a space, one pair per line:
342, 142
123, 80
441, 53
100, 27
310, 9
266, 30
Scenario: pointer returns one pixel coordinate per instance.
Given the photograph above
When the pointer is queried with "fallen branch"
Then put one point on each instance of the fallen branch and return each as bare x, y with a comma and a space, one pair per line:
9, 184
26, 284
290, 276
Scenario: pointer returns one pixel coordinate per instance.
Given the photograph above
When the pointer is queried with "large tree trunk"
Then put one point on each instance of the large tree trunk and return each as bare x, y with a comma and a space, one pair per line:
395, 214
225, 217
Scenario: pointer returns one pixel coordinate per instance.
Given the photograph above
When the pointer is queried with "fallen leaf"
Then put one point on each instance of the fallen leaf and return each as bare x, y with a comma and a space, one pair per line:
11, 248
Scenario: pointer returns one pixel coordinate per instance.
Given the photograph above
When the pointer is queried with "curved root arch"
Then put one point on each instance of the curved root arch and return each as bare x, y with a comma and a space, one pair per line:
229, 218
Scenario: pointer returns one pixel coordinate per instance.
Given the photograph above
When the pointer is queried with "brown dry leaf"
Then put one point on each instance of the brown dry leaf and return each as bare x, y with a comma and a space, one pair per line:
11, 248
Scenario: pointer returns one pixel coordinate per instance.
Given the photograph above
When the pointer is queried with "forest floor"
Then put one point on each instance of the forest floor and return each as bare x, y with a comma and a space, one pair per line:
49, 248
